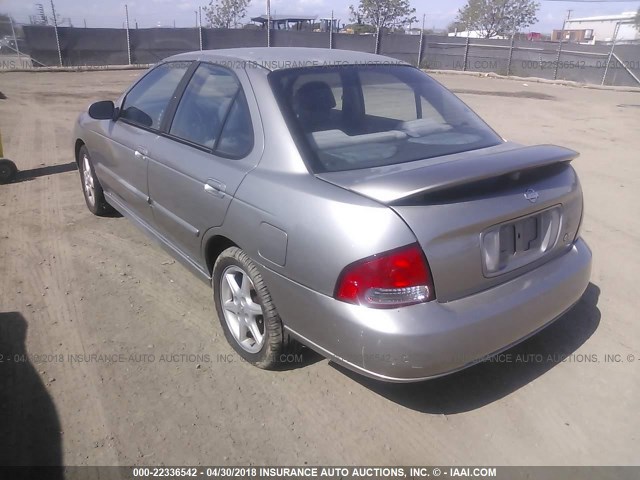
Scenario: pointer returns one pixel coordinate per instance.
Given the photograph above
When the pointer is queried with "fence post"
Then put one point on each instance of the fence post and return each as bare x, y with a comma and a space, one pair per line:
513, 41
510, 55
200, 25
268, 23
126, 12
555, 73
420, 42
331, 32
466, 55
613, 44
55, 27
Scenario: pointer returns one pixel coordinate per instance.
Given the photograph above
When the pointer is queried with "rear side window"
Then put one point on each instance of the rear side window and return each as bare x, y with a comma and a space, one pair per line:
213, 113
146, 103
236, 139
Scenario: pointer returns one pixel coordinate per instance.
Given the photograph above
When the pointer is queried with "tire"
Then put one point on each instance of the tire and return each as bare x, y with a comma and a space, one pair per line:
266, 348
91, 188
8, 170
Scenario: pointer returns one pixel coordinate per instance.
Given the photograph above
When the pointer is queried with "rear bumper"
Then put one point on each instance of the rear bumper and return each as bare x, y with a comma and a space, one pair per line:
433, 339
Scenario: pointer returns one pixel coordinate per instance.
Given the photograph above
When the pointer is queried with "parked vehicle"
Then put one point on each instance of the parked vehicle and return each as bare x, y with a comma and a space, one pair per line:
344, 200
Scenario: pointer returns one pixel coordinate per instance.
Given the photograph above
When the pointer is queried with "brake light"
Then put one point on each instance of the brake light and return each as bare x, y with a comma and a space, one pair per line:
391, 279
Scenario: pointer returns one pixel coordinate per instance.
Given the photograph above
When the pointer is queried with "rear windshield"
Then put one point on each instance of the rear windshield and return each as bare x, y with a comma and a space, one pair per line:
363, 116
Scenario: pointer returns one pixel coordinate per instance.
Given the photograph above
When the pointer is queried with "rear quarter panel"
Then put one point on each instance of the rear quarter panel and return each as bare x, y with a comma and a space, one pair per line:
326, 227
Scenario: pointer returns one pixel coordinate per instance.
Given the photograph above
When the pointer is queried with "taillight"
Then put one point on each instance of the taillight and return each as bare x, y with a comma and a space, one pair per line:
391, 279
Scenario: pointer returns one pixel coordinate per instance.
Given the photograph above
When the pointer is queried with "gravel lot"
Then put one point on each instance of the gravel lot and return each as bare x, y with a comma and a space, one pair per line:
163, 386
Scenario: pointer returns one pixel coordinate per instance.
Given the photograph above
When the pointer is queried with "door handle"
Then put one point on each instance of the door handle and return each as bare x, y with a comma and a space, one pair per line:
140, 152
214, 187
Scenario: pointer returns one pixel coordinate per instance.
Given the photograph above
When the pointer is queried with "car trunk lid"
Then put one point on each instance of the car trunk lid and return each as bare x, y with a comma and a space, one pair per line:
481, 217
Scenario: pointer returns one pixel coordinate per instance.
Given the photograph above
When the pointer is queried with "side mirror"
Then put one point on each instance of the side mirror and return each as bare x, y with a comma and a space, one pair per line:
102, 110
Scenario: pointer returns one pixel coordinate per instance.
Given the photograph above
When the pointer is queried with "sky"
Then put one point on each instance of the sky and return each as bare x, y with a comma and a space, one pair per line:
151, 13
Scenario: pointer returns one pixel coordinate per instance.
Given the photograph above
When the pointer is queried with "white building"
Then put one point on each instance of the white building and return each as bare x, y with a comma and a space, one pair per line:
602, 28
473, 34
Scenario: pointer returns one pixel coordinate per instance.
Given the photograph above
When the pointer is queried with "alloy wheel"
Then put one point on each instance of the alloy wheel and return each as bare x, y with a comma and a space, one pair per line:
242, 312
87, 180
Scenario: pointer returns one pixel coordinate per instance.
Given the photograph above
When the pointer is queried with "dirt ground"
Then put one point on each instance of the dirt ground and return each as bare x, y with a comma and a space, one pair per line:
158, 384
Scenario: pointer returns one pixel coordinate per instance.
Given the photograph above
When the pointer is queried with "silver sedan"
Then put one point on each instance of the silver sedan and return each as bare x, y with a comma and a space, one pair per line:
342, 200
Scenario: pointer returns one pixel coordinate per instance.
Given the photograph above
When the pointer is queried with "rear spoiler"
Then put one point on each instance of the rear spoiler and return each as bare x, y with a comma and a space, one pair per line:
396, 182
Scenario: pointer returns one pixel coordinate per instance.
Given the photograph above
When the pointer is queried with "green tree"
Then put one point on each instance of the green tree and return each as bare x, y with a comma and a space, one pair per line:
383, 13
225, 13
498, 17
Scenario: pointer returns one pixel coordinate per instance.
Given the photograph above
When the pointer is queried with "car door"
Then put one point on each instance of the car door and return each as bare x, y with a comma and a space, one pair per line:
198, 163
124, 172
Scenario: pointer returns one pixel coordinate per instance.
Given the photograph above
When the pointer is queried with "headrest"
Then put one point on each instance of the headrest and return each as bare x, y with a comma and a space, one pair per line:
315, 96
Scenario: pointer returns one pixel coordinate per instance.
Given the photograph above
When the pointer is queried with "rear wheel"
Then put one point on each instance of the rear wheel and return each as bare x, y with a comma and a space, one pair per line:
8, 170
246, 312
91, 188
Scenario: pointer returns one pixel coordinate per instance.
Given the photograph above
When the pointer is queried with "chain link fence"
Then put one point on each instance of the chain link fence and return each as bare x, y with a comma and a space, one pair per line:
592, 64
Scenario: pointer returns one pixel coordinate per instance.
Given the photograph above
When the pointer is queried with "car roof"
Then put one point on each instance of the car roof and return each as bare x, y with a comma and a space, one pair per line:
277, 58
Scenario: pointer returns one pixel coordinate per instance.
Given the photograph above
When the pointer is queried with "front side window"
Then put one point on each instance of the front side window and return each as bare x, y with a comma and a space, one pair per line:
213, 113
385, 115
146, 103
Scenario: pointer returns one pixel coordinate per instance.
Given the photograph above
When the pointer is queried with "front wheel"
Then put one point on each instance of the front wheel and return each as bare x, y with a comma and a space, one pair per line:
91, 188
249, 318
